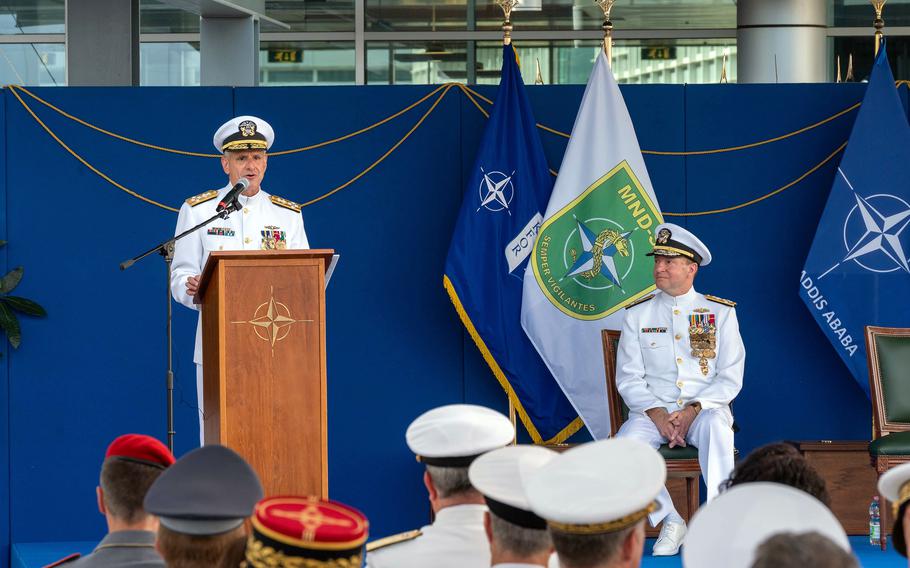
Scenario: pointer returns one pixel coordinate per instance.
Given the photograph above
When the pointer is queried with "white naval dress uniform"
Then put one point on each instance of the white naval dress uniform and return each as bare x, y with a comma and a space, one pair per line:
655, 368
456, 539
245, 229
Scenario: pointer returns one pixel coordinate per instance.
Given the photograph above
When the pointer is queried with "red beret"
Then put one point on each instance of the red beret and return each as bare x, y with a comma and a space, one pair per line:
306, 527
140, 448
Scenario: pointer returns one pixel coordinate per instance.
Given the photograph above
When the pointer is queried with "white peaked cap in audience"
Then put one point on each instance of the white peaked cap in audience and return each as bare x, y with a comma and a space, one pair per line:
599, 487
894, 485
454, 435
500, 474
728, 530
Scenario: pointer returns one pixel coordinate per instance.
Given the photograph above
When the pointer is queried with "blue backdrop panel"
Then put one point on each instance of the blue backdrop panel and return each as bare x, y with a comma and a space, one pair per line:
4, 363
95, 369
394, 342
794, 386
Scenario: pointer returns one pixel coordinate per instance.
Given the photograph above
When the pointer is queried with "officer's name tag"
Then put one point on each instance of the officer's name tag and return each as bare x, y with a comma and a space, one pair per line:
221, 231
654, 330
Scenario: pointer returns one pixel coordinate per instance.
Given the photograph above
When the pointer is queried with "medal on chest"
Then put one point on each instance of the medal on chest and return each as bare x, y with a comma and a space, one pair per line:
703, 339
273, 238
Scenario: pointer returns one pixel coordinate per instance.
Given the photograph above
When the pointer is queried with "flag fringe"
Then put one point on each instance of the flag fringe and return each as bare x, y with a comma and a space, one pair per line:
559, 438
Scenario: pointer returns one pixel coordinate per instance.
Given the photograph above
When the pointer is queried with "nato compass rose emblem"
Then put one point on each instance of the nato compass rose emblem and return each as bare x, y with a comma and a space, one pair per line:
272, 320
496, 191
872, 232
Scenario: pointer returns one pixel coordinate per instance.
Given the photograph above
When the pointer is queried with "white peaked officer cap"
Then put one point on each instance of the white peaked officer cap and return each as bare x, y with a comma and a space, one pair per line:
454, 435
673, 240
894, 485
598, 487
244, 133
500, 474
728, 530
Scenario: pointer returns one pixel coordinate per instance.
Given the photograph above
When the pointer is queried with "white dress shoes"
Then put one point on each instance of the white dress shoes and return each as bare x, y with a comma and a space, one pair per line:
670, 539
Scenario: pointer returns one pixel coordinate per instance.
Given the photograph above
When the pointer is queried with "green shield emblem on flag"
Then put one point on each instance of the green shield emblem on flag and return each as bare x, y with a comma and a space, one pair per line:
589, 258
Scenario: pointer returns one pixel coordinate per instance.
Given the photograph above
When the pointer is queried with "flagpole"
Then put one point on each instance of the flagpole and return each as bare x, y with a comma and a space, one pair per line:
878, 23
607, 6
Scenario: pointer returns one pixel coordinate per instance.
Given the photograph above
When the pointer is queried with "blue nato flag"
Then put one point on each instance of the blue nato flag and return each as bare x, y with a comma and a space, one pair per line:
857, 271
507, 190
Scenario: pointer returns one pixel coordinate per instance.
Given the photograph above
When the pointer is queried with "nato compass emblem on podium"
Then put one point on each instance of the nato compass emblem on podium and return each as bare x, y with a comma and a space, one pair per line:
589, 256
496, 191
872, 232
272, 321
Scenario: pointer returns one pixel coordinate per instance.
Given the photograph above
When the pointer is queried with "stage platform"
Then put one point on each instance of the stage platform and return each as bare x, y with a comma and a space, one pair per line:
38, 554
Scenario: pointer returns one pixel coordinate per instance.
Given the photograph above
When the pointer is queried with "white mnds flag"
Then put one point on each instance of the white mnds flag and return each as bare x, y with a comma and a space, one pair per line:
589, 257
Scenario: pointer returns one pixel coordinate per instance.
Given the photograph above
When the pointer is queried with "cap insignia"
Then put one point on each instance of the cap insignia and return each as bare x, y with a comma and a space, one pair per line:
247, 128
663, 236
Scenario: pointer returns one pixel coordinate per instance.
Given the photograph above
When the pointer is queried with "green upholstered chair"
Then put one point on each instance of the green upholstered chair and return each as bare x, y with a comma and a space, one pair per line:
888, 355
681, 462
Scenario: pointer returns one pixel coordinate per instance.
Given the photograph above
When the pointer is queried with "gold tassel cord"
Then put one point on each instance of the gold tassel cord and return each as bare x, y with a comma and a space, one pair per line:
84, 162
705, 152
204, 155
387, 154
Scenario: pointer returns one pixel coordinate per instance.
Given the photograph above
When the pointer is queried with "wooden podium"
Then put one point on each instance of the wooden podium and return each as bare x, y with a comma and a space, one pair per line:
263, 353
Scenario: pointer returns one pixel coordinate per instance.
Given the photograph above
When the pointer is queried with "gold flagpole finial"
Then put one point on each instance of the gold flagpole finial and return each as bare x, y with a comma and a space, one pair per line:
723, 69
538, 79
507, 7
849, 77
878, 23
838, 69
607, 6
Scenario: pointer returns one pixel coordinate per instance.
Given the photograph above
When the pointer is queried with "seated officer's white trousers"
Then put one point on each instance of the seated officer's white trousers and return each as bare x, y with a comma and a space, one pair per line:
711, 432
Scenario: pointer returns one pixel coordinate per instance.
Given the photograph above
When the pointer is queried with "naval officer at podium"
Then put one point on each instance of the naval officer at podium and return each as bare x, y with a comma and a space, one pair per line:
262, 221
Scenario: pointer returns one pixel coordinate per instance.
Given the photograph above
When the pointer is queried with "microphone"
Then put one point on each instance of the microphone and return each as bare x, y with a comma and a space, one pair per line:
231, 196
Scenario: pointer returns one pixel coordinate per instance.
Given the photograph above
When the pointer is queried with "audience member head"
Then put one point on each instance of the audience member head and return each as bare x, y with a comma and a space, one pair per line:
446, 440
894, 486
132, 463
595, 498
202, 502
515, 533
802, 550
728, 530
306, 531
780, 463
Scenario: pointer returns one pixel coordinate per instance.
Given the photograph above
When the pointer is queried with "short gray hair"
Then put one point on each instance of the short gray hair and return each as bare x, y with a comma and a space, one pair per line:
520, 541
450, 481
589, 550
798, 550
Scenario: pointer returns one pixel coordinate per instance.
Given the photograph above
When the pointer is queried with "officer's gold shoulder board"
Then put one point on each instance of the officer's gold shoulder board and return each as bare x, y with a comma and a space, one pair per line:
64, 560
202, 197
394, 539
286, 203
730, 303
640, 301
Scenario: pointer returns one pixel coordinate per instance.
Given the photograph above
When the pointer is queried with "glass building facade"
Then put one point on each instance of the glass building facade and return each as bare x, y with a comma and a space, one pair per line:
421, 42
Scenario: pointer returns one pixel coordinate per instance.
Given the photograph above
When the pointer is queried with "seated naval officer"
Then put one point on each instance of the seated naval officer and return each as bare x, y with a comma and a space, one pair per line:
894, 486
202, 502
306, 532
263, 222
729, 530
518, 538
446, 440
131, 464
679, 364
595, 498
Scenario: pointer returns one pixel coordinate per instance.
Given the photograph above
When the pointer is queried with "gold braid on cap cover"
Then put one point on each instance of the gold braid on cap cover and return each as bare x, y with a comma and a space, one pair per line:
258, 555
611, 526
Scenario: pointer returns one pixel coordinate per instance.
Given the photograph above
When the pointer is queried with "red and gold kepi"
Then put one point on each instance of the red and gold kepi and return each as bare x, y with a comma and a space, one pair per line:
306, 531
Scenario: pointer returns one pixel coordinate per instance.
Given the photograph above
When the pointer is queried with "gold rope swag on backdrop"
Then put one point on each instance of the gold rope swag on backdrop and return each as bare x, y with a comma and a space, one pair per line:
472, 95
